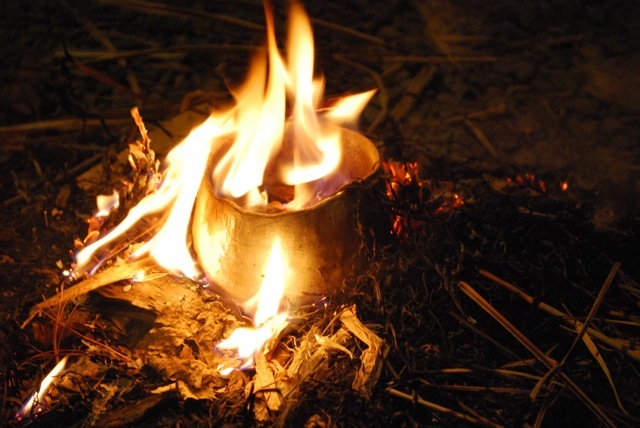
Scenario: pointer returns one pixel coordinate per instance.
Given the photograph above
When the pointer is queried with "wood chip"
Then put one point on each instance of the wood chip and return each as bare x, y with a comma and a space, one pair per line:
371, 358
264, 385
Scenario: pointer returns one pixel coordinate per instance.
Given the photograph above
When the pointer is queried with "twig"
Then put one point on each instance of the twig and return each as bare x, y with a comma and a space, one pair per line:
620, 345
478, 299
173, 11
99, 36
264, 381
484, 335
58, 141
415, 87
482, 137
473, 388
96, 56
85, 337
371, 358
549, 362
78, 168
439, 59
350, 31
105, 277
505, 373
582, 335
549, 401
594, 308
438, 408
104, 79
62, 124
470, 410
61, 177
476, 115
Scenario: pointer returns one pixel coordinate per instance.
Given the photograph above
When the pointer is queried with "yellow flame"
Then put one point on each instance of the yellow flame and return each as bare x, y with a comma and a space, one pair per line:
28, 406
107, 203
186, 165
260, 115
273, 285
342, 110
316, 154
267, 319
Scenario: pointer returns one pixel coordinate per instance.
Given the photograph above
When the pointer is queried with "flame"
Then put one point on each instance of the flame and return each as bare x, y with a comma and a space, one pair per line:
302, 152
263, 147
315, 151
107, 203
28, 406
177, 192
267, 319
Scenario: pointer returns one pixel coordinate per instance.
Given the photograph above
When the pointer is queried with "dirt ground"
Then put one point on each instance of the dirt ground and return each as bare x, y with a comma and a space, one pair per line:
530, 110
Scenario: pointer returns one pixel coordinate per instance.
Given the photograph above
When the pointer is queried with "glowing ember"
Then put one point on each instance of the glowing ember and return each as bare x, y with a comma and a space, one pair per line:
33, 404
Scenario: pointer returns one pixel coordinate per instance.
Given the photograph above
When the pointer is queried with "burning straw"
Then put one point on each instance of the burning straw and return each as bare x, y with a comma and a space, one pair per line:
298, 180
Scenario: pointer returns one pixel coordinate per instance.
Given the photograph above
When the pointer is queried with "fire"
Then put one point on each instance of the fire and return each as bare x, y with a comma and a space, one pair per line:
267, 319
107, 203
302, 152
262, 148
262, 132
33, 403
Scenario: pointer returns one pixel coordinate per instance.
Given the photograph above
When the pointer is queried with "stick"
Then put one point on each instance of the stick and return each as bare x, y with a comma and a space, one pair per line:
349, 31
265, 381
61, 177
480, 301
482, 137
582, 335
58, 321
371, 358
439, 59
596, 305
417, 84
99, 36
382, 89
484, 335
620, 345
172, 11
168, 53
438, 408
105, 277
496, 110
62, 124
549, 362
